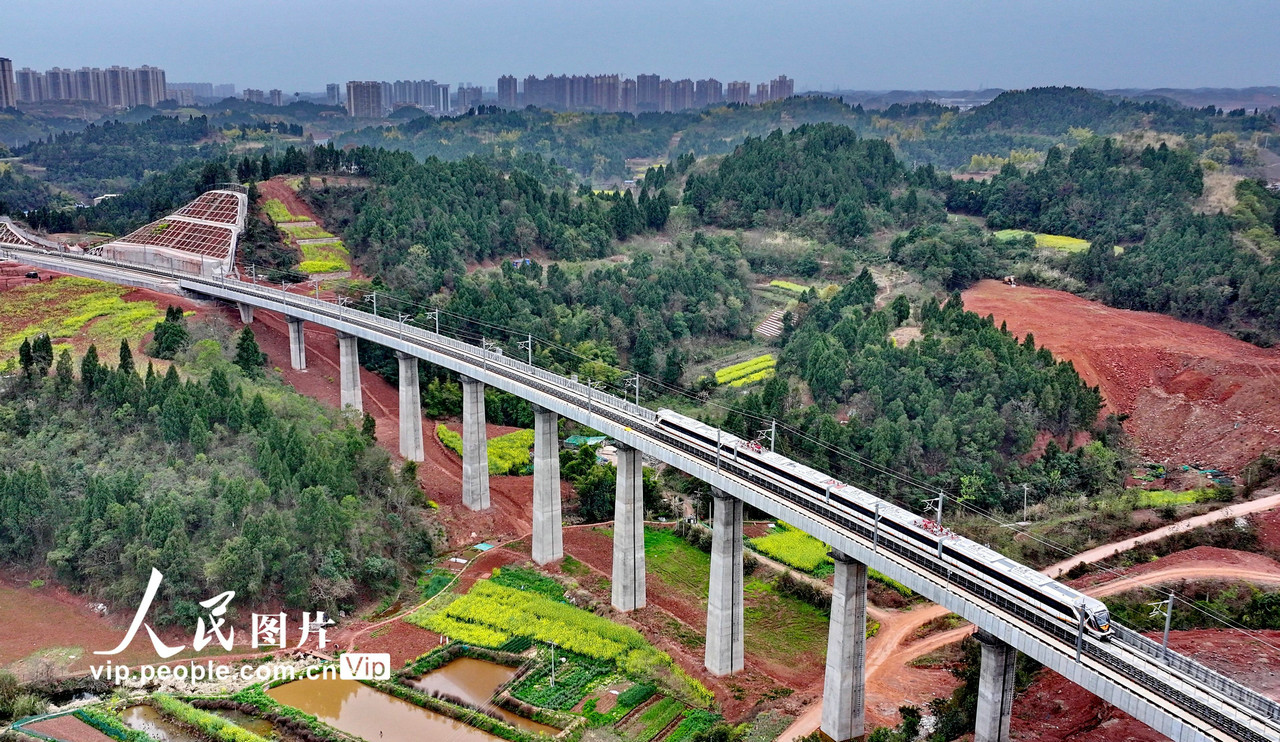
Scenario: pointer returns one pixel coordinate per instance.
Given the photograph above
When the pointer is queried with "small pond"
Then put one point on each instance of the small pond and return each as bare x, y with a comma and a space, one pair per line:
475, 682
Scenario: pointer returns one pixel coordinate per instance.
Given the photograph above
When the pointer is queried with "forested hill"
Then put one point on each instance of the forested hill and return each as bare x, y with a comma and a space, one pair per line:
597, 146
819, 176
221, 479
958, 408
1052, 111
1219, 270
113, 156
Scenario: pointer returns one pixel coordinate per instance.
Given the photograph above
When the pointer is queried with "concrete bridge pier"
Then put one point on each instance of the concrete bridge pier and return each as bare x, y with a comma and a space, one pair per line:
995, 689
246, 313
297, 345
349, 372
548, 531
629, 588
843, 690
410, 409
724, 654
475, 446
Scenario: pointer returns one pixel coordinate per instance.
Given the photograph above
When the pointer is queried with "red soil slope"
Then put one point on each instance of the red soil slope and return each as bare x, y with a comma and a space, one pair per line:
1194, 395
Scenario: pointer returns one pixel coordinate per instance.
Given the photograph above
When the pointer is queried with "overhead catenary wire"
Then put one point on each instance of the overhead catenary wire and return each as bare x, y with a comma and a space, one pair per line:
904, 478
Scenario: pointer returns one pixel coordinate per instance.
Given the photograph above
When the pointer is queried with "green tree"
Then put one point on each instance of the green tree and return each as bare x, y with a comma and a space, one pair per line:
42, 355
249, 357
89, 366
171, 335
64, 381
126, 358
25, 358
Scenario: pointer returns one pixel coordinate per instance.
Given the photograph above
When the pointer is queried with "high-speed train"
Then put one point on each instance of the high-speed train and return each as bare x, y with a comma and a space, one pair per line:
988, 567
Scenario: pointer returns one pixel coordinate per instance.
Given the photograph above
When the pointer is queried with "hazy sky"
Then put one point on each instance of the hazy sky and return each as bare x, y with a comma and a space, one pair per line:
939, 44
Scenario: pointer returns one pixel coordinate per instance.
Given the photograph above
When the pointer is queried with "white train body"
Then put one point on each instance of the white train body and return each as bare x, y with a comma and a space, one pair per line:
993, 570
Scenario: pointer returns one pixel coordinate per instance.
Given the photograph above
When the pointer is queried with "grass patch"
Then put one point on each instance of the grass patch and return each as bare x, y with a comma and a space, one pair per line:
679, 565
324, 257
429, 587
797, 549
1051, 241
279, 213
1168, 498
305, 233
508, 454
792, 547
745, 369
65, 307
519, 578
794, 288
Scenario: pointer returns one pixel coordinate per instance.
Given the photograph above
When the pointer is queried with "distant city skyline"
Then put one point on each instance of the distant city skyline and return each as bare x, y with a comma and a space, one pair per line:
828, 44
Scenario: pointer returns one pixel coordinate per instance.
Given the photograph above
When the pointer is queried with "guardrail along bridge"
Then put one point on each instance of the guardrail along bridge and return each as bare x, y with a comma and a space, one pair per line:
1015, 608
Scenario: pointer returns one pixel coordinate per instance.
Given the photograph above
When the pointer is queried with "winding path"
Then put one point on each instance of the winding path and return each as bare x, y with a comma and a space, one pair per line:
1097, 554
889, 655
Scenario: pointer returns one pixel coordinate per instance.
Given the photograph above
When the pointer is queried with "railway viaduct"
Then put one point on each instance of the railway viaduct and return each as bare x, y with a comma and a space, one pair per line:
1173, 694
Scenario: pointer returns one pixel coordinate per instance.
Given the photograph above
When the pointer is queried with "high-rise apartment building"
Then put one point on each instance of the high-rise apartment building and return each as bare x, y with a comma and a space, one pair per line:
8, 97
633, 95
647, 92
333, 93
118, 87
627, 98
708, 93
607, 92
30, 85
782, 87
683, 94
253, 95
364, 99
224, 91
666, 96
507, 91
469, 96
277, 97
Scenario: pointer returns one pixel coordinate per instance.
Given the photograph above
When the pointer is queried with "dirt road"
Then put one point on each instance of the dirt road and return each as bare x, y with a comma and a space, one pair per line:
890, 678
1097, 554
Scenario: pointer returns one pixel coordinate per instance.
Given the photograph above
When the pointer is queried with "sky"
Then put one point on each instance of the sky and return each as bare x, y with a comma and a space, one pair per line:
849, 44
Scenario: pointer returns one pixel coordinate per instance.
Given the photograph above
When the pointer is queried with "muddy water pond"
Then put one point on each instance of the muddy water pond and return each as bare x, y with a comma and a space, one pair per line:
475, 681
260, 727
146, 719
357, 709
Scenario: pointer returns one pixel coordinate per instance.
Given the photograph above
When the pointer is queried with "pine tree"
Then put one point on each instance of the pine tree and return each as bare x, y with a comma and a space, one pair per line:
26, 358
198, 434
42, 355
126, 358
249, 357
89, 370
63, 379
258, 412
